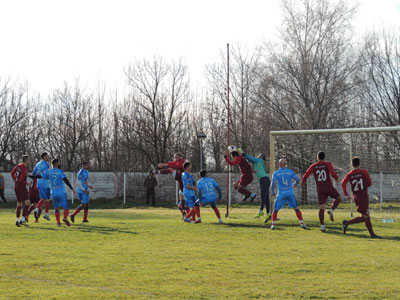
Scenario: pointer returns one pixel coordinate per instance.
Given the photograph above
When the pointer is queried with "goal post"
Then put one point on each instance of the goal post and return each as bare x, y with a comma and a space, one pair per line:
377, 147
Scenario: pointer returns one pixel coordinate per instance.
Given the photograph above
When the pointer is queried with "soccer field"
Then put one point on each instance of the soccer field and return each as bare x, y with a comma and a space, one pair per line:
141, 253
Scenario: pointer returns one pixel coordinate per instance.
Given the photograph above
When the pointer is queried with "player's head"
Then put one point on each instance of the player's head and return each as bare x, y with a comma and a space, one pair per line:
187, 166
262, 156
356, 162
55, 163
178, 156
203, 173
85, 164
321, 155
25, 159
45, 156
282, 163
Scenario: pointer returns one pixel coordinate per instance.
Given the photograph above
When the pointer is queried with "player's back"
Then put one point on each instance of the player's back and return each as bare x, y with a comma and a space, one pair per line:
322, 175
284, 178
55, 176
20, 173
207, 187
359, 180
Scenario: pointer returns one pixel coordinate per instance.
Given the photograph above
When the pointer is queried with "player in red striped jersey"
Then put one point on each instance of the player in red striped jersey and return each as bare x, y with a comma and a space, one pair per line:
322, 171
20, 175
360, 181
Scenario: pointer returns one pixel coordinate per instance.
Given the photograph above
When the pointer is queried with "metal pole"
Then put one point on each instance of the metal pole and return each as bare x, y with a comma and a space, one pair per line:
176, 192
350, 168
124, 188
381, 189
201, 154
73, 185
271, 162
228, 141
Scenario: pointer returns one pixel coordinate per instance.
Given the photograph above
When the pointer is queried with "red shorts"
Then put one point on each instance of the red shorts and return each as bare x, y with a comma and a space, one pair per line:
21, 191
362, 204
245, 180
34, 196
323, 195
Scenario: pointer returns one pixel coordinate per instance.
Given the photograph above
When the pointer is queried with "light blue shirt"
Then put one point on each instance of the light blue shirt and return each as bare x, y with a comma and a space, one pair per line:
207, 186
284, 177
41, 167
55, 176
83, 176
187, 179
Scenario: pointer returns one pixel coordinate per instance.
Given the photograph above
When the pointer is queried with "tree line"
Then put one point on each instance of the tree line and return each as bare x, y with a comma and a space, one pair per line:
316, 74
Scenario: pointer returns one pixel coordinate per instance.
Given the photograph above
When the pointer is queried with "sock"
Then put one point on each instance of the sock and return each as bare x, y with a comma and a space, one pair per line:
31, 208
194, 216
46, 206
18, 212
197, 211
190, 213
355, 220
17, 219
85, 212
78, 209
274, 217
40, 203
321, 216
25, 211
66, 213
57, 213
299, 216
369, 226
217, 212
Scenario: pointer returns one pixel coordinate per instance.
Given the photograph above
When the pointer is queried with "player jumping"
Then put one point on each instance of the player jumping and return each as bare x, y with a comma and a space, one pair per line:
323, 171
246, 176
43, 187
20, 175
33, 197
207, 195
83, 192
360, 181
57, 178
189, 192
284, 177
176, 169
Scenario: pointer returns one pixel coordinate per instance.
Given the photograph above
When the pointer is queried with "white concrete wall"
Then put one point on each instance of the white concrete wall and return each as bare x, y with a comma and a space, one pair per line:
110, 185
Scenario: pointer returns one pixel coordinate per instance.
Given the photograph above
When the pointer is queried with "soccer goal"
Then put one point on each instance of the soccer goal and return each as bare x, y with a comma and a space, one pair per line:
378, 149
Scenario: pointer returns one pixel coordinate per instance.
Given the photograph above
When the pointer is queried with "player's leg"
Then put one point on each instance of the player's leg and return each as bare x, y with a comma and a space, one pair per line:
279, 204
27, 204
2, 195
335, 203
216, 211
78, 209
244, 181
56, 203
64, 205
292, 202
18, 211
197, 211
189, 216
322, 198
46, 209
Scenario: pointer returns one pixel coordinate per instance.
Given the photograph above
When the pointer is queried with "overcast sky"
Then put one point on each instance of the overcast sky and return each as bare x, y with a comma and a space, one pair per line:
48, 41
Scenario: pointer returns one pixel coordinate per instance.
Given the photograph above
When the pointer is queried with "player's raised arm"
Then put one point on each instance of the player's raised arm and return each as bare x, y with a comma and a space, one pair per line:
234, 162
251, 159
344, 186
273, 185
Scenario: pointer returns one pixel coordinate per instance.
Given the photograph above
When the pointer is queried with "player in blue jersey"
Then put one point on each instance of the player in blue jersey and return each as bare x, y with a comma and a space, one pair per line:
207, 188
43, 187
83, 192
189, 192
57, 179
284, 177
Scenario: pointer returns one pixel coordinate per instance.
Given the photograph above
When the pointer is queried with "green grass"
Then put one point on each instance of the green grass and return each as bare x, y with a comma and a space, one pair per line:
148, 253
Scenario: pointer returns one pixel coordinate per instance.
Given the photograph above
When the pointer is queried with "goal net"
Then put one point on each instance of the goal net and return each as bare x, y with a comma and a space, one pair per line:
378, 149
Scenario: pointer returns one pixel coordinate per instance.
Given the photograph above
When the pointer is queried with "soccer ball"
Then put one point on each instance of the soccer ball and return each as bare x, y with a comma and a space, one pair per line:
232, 148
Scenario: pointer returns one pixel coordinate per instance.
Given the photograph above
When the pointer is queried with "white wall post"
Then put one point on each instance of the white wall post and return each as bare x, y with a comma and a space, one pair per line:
124, 188
381, 188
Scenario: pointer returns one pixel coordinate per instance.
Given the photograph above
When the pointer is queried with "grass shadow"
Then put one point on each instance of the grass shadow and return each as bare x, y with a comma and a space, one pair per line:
101, 229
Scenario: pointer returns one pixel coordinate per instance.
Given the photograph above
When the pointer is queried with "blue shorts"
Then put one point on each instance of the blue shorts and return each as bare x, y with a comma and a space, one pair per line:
190, 200
44, 193
282, 199
83, 197
212, 202
60, 200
